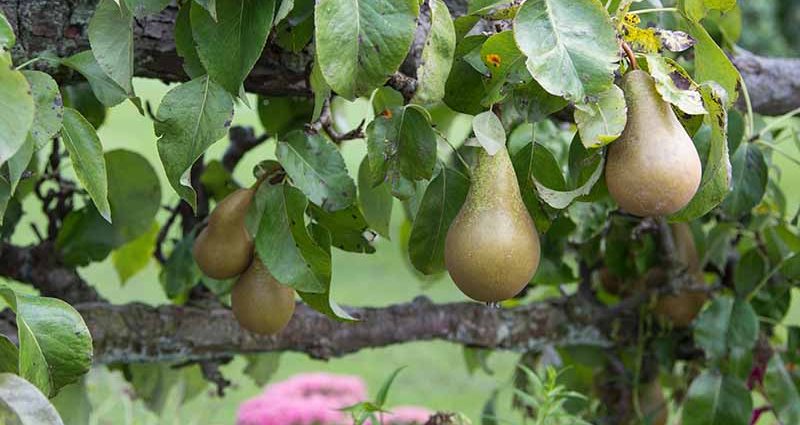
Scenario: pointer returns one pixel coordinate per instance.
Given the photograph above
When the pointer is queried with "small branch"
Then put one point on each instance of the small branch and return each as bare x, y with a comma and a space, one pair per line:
325, 123
406, 85
242, 140
213, 374
164, 231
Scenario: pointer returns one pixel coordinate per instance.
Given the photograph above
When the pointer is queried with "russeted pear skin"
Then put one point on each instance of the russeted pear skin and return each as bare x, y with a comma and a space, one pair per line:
260, 303
653, 169
224, 248
492, 248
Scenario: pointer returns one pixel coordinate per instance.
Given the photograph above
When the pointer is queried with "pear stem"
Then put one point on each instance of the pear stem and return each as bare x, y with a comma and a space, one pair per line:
631, 56
455, 151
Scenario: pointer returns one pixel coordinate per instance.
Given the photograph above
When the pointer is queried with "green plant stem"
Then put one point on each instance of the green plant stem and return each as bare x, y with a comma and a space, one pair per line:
654, 10
779, 150
26, 63
750, 127
774, 123
455, 151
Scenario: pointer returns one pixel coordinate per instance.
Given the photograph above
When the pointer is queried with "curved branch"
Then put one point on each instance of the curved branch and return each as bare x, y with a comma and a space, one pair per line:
60, 27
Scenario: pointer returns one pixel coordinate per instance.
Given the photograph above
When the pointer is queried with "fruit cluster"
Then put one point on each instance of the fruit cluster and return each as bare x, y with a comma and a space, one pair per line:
224, 250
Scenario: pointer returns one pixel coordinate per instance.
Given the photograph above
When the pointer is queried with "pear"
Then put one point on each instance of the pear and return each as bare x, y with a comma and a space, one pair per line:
492, 248
653, 169
260, 303
224, 248
682, 308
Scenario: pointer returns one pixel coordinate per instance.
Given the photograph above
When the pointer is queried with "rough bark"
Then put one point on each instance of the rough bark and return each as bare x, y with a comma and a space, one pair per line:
140, 333
60, 27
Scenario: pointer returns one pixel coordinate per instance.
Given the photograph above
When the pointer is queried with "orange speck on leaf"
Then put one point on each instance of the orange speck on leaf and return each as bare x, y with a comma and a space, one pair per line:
387, 114
494, 59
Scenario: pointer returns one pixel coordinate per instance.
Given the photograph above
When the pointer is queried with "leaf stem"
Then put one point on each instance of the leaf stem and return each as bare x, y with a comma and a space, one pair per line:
774, 123
455, 151
654, 10
779, 150
26, 63
750, 128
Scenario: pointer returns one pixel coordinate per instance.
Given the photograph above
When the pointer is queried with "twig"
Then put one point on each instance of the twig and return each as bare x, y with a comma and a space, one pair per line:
631, 56
406, 85
325, 123
243, 140
163, 232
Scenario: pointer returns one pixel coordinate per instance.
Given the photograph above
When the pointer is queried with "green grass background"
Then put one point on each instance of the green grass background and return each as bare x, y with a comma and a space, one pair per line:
435, 376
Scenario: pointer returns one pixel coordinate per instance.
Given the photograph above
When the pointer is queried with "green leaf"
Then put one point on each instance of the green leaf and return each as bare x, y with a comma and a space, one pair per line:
84, 237
210, 6
146, 7
18, 163
781, 391
439, 207
437, 55
749, 180
715, 399
230, 44
504, 61
154, 383
666, 74
535, 103
479, 7
283, 10
316, 167
261, 367
134, 192
322, 301
360, 43
7, 37
49, 107
539, 160
489, 131
715, 183
401, 148
376, 202
180, 273
283, 243
698, 9
749, 271
712, 64
108, 92
464, 89
560, 199
9, 356
383, 393
348, 229
111, 38
86, 154
79, 96
602, 120
570, 45
191, 117
282, 114
73, 403
135, 255
726, 324
295, 32
18, 110
55, 347
184, 43
321, 89
23, 404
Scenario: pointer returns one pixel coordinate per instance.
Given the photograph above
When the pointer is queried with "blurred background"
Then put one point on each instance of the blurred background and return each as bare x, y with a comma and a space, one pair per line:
437, 375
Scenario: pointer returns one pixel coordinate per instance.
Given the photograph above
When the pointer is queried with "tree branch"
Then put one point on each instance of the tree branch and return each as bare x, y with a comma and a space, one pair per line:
60, 27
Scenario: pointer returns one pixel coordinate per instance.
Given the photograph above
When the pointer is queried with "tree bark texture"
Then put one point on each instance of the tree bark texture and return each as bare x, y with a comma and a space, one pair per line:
60, 27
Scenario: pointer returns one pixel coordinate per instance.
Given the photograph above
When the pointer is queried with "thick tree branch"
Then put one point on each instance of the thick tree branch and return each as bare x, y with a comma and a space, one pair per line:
60, 27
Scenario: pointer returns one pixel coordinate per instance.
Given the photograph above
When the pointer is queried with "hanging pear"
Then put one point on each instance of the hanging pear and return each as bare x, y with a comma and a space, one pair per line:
492, 248
224, 248
260, 303
682, 308
653, 169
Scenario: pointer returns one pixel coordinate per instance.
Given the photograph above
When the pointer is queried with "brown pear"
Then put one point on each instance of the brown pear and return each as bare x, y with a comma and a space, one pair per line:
492, 248
653, 169
260, 303
224, 248
682, 308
